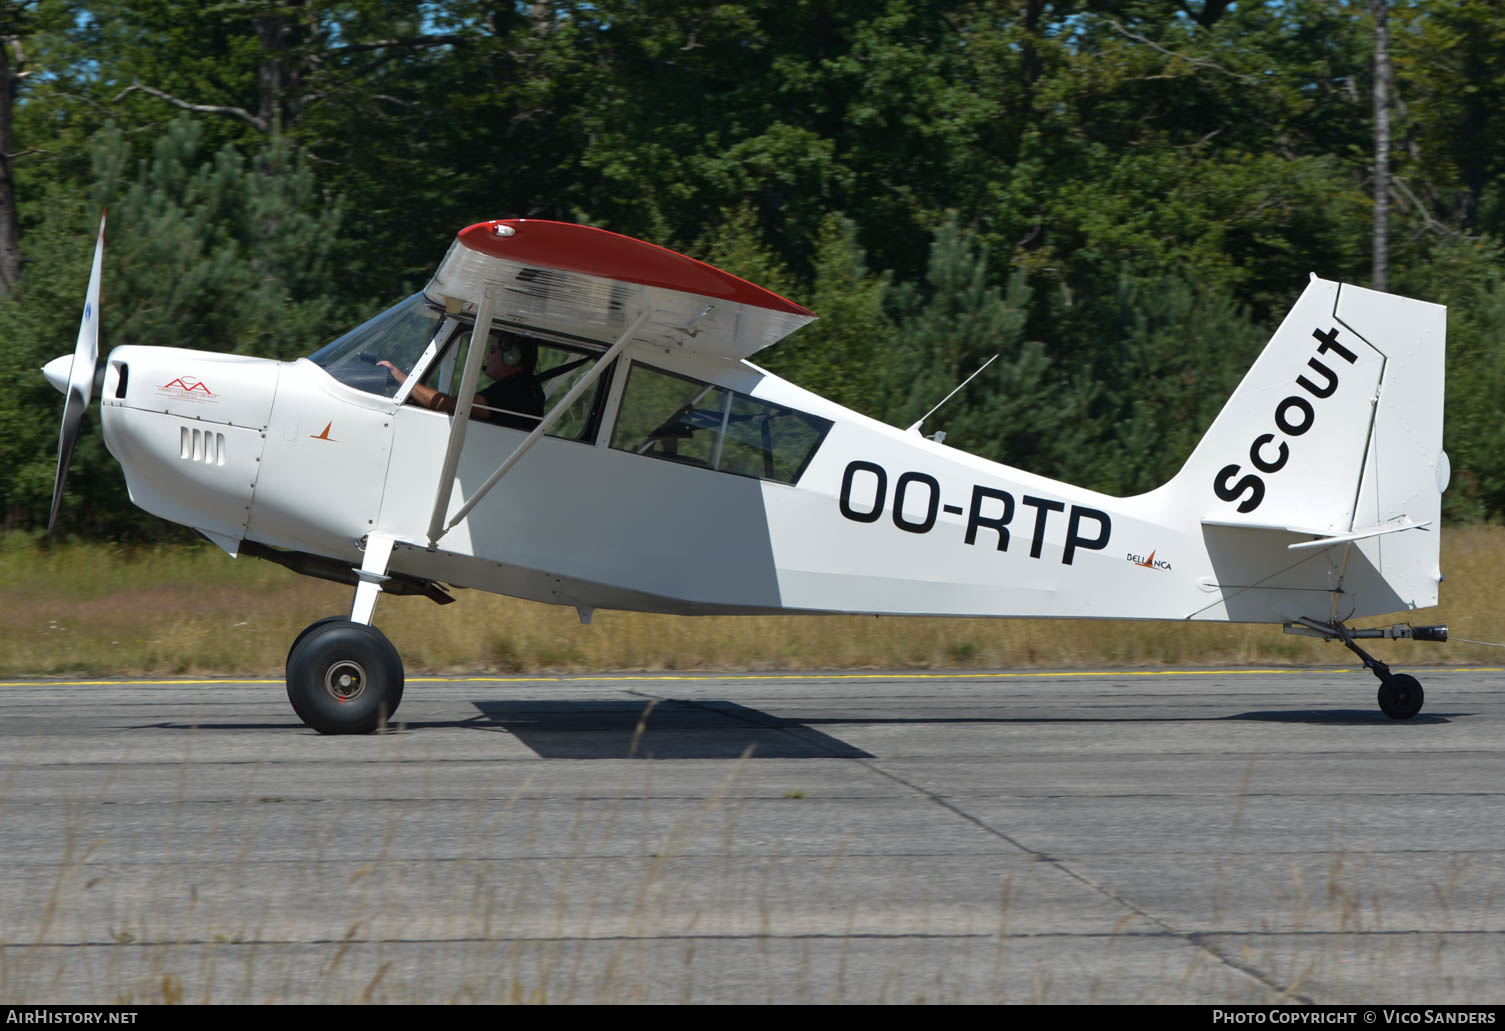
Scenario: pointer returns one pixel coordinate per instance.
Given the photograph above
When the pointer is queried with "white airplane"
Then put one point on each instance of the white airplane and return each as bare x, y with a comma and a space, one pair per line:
568, 415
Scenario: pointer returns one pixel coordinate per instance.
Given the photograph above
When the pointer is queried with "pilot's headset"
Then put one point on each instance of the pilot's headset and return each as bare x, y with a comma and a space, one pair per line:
518, 351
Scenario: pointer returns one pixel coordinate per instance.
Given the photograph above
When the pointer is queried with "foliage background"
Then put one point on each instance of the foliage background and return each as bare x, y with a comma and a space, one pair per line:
1120, 197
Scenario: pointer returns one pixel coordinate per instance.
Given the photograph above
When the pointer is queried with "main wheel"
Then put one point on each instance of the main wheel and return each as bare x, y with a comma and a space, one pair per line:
344, 678
1401, 696
286, 666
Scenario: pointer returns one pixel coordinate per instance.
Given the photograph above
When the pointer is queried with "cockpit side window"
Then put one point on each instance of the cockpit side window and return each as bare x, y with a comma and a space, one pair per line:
671, 417
398, 335
556, 368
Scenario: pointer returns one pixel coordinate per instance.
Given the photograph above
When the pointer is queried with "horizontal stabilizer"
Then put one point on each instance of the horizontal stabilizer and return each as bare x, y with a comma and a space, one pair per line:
1324, 538
1364, 534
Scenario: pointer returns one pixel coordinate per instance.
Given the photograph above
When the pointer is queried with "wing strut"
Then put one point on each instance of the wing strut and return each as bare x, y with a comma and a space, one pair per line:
544, 425
464, 398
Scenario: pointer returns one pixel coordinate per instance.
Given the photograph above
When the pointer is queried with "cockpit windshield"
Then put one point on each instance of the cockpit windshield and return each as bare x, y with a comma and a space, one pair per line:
398, 335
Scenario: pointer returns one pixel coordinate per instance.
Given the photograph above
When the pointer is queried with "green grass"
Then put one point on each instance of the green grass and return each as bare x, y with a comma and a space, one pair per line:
84, 609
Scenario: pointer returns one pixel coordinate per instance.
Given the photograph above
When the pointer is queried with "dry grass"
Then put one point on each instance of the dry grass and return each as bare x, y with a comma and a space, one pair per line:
88, 609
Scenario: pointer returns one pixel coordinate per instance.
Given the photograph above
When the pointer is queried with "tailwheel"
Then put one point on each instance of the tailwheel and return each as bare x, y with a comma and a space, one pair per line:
1400, 693
1401, 696
344, 677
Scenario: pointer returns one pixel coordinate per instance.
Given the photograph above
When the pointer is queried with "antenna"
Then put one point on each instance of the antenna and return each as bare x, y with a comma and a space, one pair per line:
916, 427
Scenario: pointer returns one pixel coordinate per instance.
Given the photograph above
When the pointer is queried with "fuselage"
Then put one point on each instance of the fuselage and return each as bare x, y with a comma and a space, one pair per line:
874, 520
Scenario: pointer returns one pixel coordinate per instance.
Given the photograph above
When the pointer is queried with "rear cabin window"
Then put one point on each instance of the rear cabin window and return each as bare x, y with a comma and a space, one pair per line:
677, 419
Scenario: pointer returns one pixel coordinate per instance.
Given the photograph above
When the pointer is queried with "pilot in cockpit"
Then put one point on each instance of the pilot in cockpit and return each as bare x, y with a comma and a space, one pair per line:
513, 399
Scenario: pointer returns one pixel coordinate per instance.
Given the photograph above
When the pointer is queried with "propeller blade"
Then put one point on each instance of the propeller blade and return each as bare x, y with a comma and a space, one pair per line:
80, 378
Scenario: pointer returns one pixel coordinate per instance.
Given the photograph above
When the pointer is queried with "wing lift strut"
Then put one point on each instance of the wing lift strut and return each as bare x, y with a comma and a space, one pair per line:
465, 397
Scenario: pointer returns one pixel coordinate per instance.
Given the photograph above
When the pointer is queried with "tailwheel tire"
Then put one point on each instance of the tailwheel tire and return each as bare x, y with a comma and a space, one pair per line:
344, 677
1401, 696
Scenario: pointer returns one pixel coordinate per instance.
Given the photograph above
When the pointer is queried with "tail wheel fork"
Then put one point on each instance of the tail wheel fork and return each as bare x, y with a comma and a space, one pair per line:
1400, 695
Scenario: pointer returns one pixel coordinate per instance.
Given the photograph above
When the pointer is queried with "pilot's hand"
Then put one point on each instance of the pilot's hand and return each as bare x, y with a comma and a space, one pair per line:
394, 372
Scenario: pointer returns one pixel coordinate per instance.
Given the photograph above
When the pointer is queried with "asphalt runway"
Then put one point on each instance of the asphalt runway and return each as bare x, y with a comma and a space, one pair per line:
1174, 837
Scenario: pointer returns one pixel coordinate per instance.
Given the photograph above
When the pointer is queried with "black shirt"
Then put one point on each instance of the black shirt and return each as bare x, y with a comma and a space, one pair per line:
519, 392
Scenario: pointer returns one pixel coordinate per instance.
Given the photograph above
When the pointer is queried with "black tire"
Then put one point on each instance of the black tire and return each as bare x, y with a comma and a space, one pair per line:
344, 678
287, 666
1401, 696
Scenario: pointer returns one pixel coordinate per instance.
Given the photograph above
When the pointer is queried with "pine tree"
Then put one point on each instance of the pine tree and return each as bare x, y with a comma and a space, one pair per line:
1018, 411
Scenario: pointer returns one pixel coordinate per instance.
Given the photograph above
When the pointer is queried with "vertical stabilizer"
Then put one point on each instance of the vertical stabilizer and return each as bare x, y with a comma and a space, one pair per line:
1288, 448
1336, 432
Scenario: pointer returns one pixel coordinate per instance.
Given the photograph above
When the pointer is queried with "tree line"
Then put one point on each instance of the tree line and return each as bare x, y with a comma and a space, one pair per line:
1120, 198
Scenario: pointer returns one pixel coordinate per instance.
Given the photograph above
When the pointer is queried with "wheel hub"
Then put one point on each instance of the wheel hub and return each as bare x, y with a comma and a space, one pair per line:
345, 680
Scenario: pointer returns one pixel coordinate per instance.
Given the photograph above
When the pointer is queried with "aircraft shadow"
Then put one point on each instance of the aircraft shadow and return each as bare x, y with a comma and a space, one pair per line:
589, 729
602, 729
1343, 717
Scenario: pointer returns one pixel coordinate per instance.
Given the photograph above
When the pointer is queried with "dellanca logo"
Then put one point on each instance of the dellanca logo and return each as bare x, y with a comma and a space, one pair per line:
1150, 563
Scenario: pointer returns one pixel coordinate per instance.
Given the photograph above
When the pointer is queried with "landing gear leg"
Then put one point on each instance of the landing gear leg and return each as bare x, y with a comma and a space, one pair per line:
343, 675
1400, 695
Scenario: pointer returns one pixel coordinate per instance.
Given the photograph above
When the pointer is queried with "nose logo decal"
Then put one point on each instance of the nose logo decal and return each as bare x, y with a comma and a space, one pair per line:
324, 435
188, 388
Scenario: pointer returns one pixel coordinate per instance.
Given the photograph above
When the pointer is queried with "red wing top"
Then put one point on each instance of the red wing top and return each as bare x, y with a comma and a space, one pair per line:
593, 283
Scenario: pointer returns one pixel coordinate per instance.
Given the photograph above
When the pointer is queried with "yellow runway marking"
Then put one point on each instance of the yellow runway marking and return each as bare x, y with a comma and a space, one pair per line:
616, 677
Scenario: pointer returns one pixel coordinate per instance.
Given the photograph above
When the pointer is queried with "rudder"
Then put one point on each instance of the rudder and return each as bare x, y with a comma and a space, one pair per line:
1406, 469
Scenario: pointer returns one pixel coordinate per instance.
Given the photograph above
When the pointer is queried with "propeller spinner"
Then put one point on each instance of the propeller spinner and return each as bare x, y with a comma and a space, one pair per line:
79, 384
